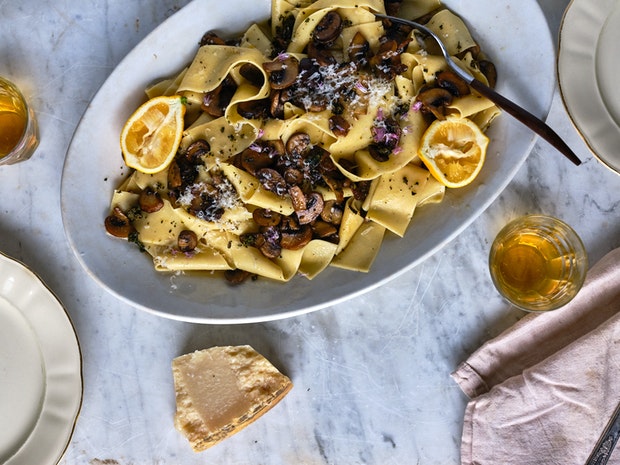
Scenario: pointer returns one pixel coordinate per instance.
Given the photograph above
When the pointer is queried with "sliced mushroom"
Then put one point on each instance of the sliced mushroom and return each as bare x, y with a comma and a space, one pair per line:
435, 101
289, 223
174, 176
197, 150
276, 109
215, 102
320, 54
293, 176
118, 224
332, 212
236, 276
150, 201
339, 125
314, 207
298, 144
359, 49
298, 198
452, 83
282, 73
187, 240
392, 7
328, 29
252, 74
211, 38
272, 180
360, 190
269, 243
379, 152
283, 35
490, 72
252, 160
296, 239
322, 229
265, 217
254, 109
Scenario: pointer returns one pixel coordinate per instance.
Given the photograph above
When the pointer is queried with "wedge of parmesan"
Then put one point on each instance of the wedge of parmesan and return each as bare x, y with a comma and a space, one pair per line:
221, 390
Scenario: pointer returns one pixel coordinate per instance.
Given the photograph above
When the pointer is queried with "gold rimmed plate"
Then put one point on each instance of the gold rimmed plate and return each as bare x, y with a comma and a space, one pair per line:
40, 370
588, 70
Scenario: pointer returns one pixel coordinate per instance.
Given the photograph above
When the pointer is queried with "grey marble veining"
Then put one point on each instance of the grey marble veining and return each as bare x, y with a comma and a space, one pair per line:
371, 375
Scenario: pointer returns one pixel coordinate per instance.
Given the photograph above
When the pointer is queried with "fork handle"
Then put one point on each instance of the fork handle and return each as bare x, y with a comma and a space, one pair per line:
531, 121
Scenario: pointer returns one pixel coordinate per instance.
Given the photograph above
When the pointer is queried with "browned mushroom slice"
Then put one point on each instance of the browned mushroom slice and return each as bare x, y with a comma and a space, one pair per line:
296, 239
283, 35
298, 198
392, 7
269, 243
118, 224
197, 150
314, 207
379, 152
359, 49
435, 100
275, 146
174, 176
452, 83
211, 38
252, 74
293, 176
322, 229
387, 50
187, 240
360, 190
277, 104
265, 217
490, 72
215, 102
332, 212
150, 201
272, 181
320, 54
339, 125
328, 29
254, 109
386, 62
298, 144
253, 160
236, 276
282, 73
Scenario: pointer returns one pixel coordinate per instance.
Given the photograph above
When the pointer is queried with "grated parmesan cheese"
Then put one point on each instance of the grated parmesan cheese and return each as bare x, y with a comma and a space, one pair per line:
334, 83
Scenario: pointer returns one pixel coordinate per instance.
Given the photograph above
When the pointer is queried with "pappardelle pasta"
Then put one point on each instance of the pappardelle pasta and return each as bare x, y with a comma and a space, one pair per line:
300, 142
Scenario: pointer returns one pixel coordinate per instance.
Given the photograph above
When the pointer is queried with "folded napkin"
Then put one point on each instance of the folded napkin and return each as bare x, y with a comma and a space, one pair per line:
543, 391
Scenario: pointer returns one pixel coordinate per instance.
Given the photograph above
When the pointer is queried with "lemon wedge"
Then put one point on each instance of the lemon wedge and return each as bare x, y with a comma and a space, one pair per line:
454, 151
151, 136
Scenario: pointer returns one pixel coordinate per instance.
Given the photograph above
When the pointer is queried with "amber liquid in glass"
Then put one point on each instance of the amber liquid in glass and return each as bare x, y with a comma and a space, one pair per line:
13, 120
528, 266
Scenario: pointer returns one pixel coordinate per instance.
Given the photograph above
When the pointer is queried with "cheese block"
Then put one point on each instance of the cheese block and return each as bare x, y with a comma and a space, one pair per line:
221, 390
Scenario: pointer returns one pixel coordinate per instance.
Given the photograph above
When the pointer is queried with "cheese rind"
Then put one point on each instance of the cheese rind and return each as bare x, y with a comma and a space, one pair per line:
221, 390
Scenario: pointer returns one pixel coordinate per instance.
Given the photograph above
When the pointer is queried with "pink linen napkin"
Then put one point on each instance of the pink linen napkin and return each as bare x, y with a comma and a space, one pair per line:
543, 391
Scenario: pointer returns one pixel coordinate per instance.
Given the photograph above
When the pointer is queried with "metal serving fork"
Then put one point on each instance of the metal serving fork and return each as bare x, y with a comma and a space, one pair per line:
519, 113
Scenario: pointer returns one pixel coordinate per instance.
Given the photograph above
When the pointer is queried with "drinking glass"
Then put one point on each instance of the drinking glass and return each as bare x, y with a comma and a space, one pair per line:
538, 263
18, 126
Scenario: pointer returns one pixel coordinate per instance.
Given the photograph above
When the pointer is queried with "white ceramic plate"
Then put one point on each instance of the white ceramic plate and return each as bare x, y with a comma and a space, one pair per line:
40, 370
512, 35
588, 70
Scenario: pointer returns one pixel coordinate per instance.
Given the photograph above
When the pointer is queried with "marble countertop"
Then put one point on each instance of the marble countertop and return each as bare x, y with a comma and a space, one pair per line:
372, 375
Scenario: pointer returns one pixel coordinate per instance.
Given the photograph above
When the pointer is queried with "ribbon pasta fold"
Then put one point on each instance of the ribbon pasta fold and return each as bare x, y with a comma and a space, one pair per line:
397, 184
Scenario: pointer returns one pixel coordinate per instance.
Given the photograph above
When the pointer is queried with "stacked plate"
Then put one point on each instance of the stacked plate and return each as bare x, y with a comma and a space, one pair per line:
588, 69
40, 370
